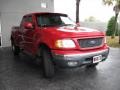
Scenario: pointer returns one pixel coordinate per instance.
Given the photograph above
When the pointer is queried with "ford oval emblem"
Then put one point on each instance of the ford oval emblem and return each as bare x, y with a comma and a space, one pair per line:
93, 42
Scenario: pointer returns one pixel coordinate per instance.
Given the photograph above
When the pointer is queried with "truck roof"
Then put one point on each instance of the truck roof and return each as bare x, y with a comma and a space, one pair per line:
40, 13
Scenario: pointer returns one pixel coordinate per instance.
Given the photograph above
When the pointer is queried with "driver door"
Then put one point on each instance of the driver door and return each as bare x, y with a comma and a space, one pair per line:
28, 36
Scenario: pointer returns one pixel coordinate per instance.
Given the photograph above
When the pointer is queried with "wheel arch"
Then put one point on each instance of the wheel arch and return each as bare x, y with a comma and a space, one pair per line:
43, 45
11, 38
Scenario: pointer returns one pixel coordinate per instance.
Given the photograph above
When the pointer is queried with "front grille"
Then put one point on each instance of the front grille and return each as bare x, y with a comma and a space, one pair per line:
90, 42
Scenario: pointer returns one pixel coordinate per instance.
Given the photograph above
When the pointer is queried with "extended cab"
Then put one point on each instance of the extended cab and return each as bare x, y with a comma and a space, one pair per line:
56, 40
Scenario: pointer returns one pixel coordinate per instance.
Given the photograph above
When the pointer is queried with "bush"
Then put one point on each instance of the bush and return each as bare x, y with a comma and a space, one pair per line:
110, 27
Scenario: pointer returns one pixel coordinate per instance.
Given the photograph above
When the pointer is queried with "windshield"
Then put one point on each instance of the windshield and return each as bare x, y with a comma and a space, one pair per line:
54, 20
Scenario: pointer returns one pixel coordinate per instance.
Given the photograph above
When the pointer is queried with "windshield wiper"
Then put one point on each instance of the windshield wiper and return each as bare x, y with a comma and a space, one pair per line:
47, 25
68, 25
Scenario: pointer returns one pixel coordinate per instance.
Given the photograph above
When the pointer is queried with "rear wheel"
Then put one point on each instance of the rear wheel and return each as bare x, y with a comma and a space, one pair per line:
15, 49
48, 66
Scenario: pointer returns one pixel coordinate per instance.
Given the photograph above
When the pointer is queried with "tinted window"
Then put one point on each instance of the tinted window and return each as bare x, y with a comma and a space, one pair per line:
26, 19
29, 19
53, 20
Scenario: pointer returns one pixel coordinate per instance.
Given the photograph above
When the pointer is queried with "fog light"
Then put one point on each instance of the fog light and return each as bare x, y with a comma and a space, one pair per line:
72, 63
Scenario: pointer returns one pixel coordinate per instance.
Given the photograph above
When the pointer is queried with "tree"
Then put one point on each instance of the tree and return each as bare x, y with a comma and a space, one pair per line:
77, 10
110, 26
90, 19
116, 9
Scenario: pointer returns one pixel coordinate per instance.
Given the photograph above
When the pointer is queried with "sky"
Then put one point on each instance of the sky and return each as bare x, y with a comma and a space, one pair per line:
88, 8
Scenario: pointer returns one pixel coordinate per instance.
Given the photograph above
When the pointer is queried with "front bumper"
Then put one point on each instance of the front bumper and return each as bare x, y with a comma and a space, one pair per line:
78, 59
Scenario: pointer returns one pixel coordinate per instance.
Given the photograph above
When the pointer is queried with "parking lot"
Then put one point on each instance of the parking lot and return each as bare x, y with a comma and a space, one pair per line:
18, 73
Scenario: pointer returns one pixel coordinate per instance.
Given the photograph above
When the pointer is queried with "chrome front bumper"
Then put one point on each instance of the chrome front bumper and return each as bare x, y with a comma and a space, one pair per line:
79, 59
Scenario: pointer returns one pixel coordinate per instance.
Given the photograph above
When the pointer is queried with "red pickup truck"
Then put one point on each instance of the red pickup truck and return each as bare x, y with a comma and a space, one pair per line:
55, 40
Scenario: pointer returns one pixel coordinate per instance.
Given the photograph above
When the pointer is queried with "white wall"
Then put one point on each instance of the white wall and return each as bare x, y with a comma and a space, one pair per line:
0, 28
13, 10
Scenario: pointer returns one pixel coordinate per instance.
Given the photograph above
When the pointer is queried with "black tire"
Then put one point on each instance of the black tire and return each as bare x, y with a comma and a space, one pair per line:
15, 49
92, 65
48, 66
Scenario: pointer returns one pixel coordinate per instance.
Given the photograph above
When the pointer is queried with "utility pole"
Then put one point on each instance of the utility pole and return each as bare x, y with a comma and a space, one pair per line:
119, 35
117, 10
77, 10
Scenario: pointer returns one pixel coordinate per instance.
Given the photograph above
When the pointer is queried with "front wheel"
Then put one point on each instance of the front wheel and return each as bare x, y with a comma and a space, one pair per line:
48, 66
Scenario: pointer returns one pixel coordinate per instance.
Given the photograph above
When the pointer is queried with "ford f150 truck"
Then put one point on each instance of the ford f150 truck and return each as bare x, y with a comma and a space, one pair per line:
55, 40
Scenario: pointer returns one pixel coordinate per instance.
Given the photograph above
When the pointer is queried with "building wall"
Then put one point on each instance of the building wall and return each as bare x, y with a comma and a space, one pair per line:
13, 10
0, 29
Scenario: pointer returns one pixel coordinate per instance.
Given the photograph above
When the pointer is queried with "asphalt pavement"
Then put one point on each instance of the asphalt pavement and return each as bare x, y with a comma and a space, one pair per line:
19, 73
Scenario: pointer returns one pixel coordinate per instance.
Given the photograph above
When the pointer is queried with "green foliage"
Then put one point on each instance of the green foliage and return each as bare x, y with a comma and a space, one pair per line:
116, 8
110, 26
108, 2
111, 2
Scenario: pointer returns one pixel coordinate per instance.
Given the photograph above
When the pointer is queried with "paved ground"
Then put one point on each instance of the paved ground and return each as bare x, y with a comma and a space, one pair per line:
19, 74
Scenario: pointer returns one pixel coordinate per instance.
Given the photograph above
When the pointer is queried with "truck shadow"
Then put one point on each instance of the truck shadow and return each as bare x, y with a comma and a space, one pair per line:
21, 71
26, 65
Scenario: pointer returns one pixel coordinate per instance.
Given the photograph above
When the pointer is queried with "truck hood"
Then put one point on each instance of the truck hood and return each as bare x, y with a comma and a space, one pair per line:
70, 31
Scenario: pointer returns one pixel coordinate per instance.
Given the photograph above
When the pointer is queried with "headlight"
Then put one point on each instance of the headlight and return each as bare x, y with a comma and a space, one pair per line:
65, 43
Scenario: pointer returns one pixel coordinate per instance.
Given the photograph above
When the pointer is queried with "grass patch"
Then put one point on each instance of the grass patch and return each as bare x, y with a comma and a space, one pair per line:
113, 42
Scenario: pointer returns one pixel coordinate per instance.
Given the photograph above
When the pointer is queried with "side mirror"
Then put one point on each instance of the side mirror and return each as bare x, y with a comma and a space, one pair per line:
28, 25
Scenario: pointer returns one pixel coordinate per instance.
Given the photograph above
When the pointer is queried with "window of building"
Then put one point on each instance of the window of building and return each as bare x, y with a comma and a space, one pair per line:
43, 5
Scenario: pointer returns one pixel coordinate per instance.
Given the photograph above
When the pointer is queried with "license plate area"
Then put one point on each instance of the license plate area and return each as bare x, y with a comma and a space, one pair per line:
97, 59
